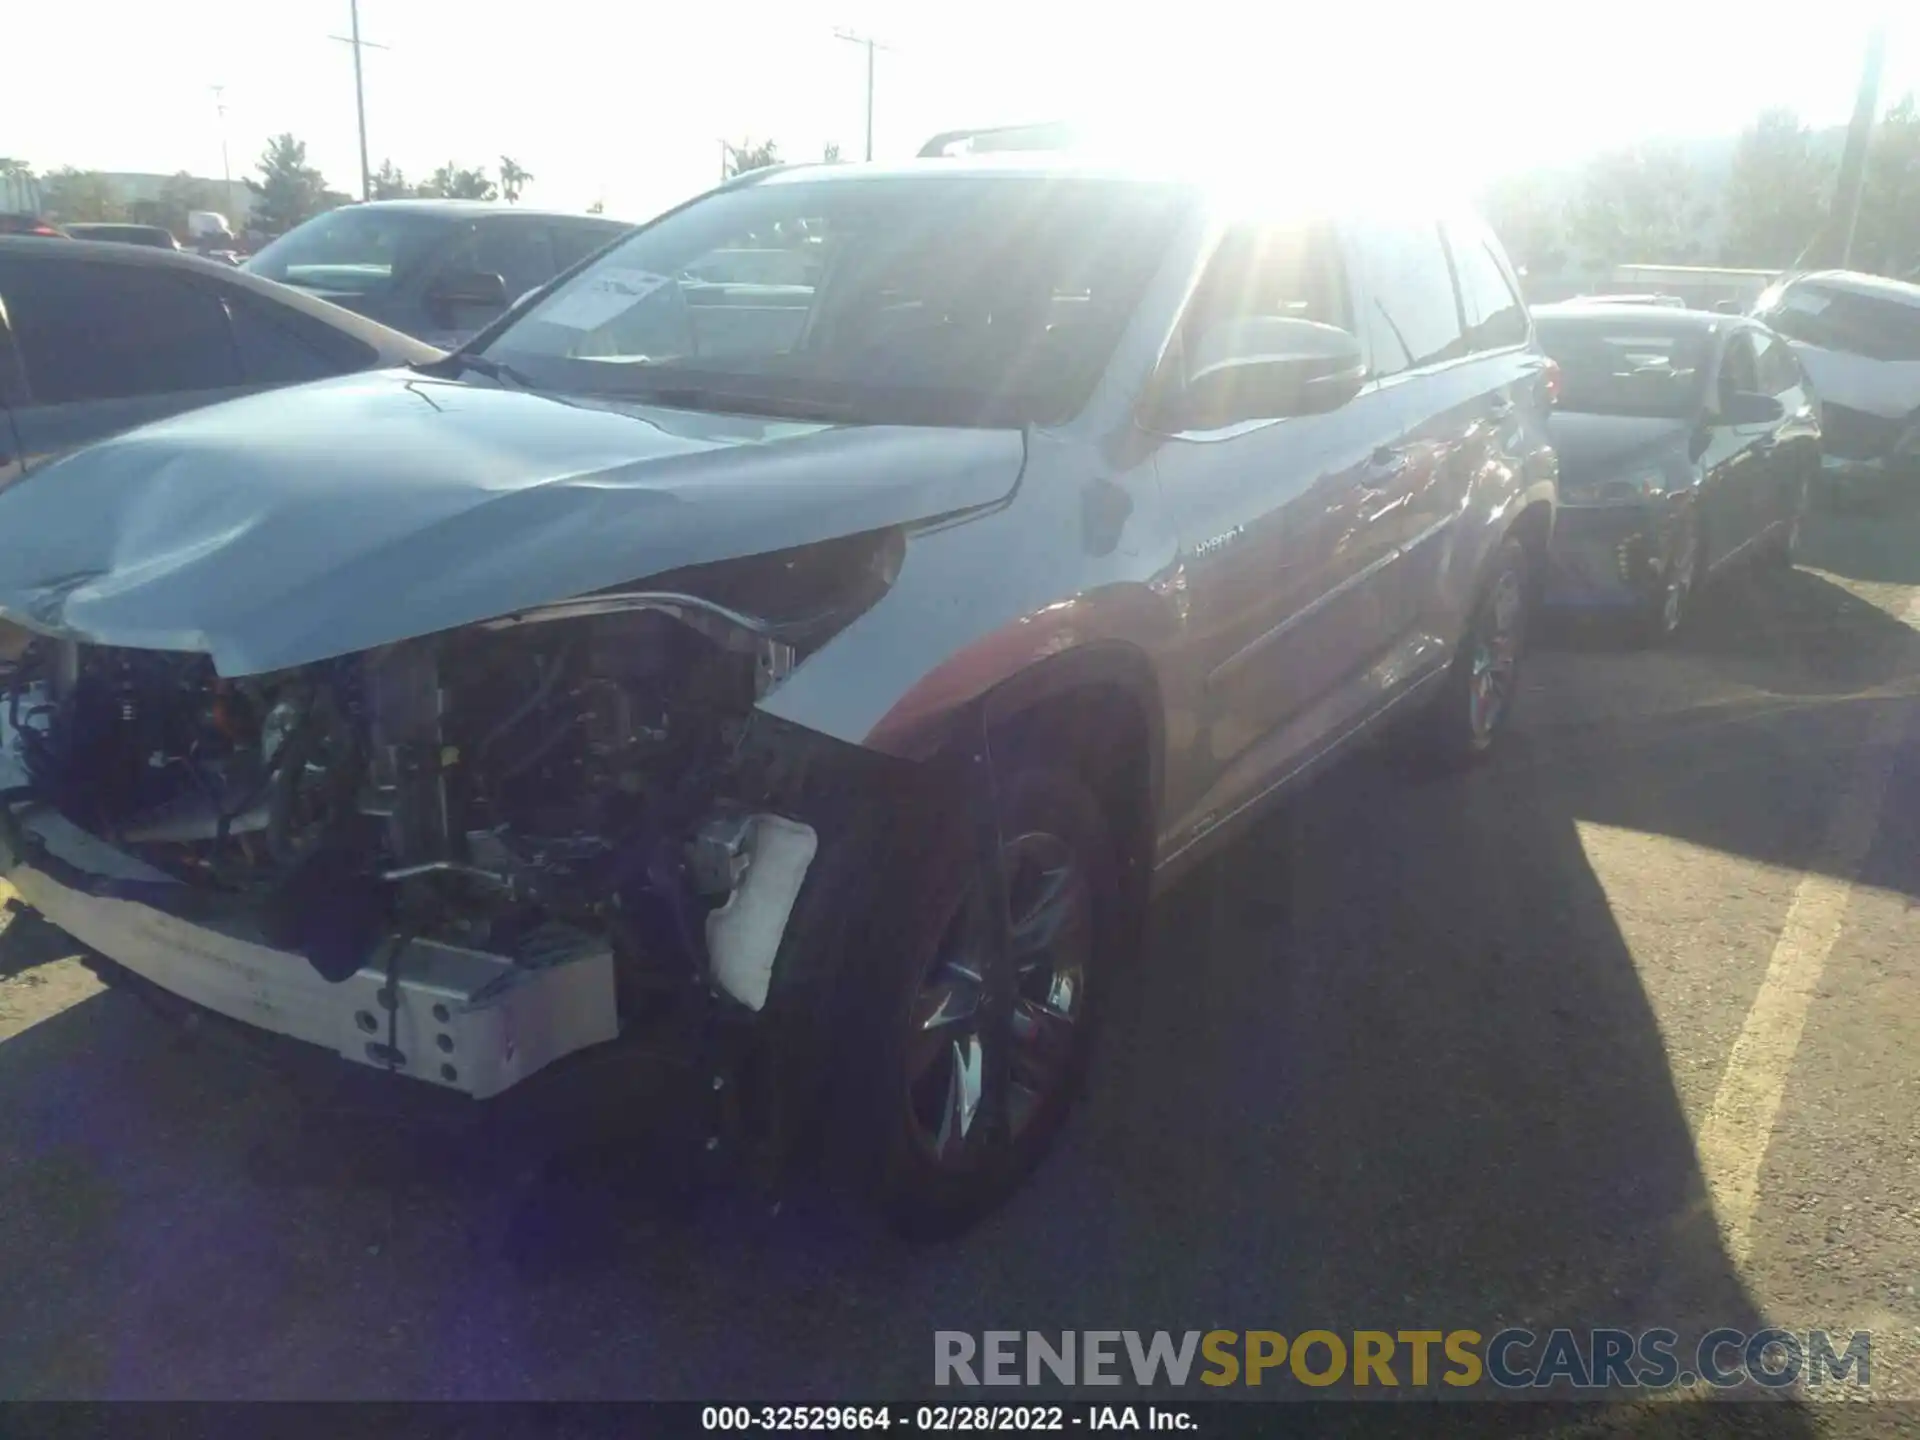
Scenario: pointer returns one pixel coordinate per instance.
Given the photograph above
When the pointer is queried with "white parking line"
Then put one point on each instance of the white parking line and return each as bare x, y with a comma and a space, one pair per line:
1739, 1127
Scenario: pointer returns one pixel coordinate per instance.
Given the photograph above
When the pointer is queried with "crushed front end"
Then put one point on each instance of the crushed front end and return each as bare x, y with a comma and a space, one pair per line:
462, 857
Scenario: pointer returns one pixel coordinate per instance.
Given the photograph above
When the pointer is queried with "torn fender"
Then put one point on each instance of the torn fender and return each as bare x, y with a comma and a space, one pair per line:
298, 525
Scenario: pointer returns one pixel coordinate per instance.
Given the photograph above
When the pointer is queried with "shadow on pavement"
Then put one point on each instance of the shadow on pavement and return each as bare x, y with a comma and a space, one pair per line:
1874, 538
28, 942
1742, 735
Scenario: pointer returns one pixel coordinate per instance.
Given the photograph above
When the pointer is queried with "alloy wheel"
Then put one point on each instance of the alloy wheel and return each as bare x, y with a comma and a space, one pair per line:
1496, 657
1677, 588
958, 1036
1796, 527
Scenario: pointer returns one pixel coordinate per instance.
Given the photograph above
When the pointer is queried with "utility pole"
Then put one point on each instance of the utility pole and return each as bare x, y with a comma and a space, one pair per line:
872, 45
360, 94
226, 170
1832, 242
1853, 164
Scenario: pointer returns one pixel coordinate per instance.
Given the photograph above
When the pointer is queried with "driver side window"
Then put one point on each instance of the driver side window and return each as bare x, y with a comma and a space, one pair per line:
1264, 272
1779, 373
1739, 368
519, 252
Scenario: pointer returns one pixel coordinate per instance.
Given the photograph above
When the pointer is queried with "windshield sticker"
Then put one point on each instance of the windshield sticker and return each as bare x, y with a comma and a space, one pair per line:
598, 298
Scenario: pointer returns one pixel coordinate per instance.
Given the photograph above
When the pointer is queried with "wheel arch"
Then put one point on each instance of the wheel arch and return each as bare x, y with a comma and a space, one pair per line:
1099, 706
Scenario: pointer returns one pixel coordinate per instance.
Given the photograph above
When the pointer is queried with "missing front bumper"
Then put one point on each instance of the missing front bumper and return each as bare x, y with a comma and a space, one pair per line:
459, 1018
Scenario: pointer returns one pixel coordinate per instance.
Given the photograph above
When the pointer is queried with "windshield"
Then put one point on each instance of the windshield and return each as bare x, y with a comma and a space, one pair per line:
353, 251
1611, 366
935, 300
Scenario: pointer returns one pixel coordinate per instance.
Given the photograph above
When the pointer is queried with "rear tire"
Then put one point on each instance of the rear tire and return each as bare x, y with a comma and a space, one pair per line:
927, 1153
1475, 700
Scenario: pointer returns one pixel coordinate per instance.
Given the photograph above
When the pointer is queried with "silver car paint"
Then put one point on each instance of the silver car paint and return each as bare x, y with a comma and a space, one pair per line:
1253, 678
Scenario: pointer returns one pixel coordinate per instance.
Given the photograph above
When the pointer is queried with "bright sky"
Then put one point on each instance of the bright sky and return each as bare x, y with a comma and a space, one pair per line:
627, 103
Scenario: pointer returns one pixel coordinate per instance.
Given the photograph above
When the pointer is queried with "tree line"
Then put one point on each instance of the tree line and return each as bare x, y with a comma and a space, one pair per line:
1650, 203
88, 195
1655, 204
287, 190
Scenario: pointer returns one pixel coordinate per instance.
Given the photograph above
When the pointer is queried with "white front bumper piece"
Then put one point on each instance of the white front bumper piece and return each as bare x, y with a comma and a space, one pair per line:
459, 1018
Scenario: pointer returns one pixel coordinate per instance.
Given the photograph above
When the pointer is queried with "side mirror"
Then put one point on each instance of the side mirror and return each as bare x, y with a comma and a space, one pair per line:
1744, 407
470, 287
1268, 368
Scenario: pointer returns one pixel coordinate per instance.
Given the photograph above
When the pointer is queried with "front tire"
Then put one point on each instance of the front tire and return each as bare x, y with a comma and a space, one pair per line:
1666, 611
936, 1152
1782, 551
1477, 697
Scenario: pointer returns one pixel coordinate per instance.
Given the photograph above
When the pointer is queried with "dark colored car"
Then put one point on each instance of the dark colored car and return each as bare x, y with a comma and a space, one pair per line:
811, 692
439, 270
97, 338
154, 237
1687, 440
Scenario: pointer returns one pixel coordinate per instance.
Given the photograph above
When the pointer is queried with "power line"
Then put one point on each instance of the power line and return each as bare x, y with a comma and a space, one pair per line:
360, 94
872, 45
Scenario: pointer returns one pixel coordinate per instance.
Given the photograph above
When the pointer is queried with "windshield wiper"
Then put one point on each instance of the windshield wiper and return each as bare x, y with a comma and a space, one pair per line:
459, 360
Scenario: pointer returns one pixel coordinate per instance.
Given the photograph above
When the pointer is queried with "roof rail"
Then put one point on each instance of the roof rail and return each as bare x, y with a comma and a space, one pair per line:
1043, 135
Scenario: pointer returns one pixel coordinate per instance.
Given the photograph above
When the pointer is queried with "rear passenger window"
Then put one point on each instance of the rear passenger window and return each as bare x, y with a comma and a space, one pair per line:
1413, 315
1495, 317
110, 332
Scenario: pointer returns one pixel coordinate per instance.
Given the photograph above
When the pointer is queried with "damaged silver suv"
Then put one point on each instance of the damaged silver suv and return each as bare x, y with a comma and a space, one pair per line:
805, 685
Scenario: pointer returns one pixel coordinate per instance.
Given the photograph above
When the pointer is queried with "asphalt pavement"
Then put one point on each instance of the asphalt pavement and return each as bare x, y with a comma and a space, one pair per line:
1618, 1030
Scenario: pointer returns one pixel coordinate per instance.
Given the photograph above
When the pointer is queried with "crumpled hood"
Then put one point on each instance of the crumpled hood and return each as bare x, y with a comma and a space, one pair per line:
302, 524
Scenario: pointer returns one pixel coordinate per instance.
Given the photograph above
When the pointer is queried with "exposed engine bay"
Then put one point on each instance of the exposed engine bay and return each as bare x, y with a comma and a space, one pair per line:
563, 783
